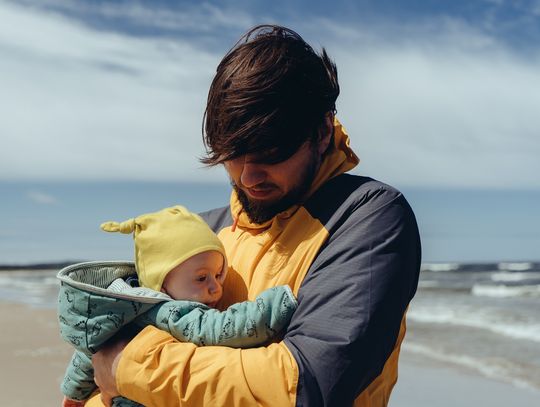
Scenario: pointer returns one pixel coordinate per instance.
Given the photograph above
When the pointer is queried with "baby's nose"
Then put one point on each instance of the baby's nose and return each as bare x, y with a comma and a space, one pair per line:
214, 286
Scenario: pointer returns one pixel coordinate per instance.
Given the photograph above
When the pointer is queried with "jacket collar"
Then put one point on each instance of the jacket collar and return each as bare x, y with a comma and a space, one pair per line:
339, 159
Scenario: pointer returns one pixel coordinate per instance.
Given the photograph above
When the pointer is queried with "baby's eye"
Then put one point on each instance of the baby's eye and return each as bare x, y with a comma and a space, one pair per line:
201, 278
218, 276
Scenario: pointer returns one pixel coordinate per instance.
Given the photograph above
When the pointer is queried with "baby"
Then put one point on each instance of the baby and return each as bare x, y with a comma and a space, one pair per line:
180, 265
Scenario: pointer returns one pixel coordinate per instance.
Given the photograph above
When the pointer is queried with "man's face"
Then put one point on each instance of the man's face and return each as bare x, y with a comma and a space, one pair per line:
264, 190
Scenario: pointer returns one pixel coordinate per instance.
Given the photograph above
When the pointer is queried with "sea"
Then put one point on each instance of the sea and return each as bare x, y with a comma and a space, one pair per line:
483, 317
478, 302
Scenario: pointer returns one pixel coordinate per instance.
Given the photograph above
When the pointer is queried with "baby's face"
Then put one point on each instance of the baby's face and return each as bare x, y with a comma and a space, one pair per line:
199, 278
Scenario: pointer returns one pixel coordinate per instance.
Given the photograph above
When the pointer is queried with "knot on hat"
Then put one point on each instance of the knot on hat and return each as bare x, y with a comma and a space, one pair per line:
127, 226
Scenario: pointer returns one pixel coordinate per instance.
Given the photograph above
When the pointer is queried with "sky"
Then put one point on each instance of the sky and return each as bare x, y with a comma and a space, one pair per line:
439, 94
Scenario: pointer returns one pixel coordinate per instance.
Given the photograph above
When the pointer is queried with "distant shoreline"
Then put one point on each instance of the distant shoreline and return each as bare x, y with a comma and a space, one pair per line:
38, 266
456, 266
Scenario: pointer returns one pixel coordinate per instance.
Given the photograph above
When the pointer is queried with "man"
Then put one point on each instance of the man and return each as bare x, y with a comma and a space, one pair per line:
348, 246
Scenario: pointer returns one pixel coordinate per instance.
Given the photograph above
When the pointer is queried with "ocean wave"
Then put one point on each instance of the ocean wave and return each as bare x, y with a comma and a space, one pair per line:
505, 291
492, 368
438, 267
517, 266
33, 288
428, 284
506, 276
28, 285
518, 327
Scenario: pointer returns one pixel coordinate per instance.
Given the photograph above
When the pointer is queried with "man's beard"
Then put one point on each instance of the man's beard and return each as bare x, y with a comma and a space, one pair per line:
260, 211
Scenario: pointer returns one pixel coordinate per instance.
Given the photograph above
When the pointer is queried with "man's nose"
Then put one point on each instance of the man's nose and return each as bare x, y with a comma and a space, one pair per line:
252, 174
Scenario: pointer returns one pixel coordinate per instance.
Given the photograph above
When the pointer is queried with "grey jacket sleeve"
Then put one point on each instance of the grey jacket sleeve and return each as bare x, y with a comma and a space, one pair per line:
356, 292
242, 325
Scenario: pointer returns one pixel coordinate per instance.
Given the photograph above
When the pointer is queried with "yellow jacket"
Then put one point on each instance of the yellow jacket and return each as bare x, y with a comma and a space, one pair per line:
350, 253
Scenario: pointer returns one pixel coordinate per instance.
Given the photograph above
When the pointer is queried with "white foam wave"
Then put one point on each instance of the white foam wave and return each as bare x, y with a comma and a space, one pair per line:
51, 281
513, 327
518, 266
506, 276
27, 284
36, 289
428, 284
440, 267
504, 291
503, 370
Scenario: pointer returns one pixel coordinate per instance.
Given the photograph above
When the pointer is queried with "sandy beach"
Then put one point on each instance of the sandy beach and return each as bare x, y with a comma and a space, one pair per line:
33, 359
32, 355
426, 383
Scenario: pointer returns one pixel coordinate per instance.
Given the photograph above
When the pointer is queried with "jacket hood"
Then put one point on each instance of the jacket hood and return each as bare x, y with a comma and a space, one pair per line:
338, 159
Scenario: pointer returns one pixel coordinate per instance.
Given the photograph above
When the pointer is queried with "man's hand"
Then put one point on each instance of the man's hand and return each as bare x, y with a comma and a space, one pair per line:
105, 362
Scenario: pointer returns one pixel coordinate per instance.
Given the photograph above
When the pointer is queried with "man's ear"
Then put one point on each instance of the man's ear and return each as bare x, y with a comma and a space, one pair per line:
326, 131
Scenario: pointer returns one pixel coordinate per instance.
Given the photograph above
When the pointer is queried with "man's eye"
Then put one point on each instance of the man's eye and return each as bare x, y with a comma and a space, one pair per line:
270, 158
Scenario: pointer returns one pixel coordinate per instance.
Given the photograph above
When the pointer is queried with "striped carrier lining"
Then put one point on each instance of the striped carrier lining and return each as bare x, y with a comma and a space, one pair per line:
95, 277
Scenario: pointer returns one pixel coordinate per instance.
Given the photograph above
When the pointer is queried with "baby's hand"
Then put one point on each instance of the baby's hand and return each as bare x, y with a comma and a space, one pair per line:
72, 403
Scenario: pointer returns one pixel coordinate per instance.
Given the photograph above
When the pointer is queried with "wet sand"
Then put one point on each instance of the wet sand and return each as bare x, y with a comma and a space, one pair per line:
426, 383
32, 356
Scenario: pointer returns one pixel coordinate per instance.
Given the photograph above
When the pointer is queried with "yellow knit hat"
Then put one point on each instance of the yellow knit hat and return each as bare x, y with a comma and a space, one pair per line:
165, 239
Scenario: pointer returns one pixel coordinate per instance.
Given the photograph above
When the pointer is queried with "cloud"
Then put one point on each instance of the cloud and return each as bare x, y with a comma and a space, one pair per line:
41, 198
80, 103
185, 17
451, 107
433, 102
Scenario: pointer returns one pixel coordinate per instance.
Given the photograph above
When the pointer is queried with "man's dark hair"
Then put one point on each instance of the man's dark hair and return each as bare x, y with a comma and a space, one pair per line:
270, 94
